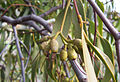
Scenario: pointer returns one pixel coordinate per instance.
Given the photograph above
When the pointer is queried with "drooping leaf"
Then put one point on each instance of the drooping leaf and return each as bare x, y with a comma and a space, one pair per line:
2, 40
108, 51
35, 51
92, 26
89, 13
27, 40
96, 66
33, 72
88, 63
103, 57
2, 74
100, 25
8, 66
42, 63
49, 69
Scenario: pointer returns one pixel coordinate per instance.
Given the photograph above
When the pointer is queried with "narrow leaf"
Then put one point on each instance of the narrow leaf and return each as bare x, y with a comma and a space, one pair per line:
108, 51
88, 63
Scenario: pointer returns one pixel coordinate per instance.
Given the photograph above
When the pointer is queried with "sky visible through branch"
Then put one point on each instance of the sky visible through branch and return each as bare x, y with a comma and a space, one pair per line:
116, 5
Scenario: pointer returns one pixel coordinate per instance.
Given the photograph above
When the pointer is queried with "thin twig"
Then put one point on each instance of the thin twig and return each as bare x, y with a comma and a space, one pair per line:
28, 2
50, 11
20, 53
66, 69
95, 20
6, 46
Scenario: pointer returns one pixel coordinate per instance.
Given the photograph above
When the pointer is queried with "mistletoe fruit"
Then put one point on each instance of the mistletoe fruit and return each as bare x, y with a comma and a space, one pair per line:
72, 55
63, 55
78, 43
54, 45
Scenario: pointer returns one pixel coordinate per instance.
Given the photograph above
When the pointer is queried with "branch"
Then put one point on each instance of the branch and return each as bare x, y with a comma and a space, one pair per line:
50, 11
32, 24
81, 75
117, 44
22, 19
35, 26
110, 27
20, 53
66, 69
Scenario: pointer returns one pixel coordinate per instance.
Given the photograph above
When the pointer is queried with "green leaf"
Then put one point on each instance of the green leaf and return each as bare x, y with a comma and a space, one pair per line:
92, 26
27, 40
88, 63
100, 4
35, 51
2, 74
100, 23
104, 58
96, 66
89, 13
110, 69
2, 40
82, 11
77, 30
76, 26
100, 26
108, 51
42, 62
49, 69
59, 20
8, 66
35, 66
33, 72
